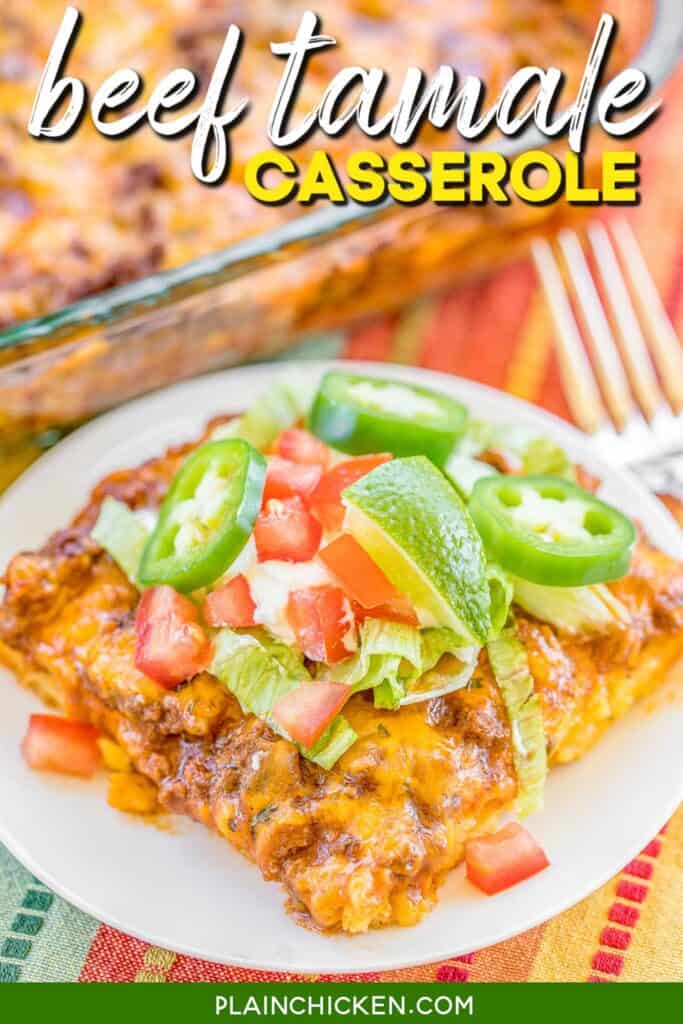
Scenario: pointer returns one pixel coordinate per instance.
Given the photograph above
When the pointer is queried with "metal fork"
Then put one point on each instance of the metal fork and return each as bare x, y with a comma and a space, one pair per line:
620, 360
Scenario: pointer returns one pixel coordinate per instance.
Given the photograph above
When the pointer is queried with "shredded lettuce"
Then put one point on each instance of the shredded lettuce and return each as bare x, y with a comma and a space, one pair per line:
282, 405
394, 658
544, 456
535, 454
501, 591
259, 670
122, 535
334, 742
511, 668
387, 656
592, 609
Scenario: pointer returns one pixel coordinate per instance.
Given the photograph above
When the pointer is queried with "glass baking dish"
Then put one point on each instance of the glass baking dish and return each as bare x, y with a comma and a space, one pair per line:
254, 298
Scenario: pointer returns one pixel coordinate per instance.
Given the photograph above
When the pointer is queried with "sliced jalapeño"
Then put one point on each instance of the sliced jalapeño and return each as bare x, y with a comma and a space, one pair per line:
550, 531
207, 516
359, 415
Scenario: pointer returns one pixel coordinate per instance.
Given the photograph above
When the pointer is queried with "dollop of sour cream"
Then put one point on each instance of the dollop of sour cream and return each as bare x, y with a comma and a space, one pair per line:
272, 582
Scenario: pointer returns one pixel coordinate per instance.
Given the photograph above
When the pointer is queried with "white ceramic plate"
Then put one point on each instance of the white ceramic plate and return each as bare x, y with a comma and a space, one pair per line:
189, 891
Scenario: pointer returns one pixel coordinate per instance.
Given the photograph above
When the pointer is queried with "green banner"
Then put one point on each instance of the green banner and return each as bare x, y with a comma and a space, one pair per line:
334, 1002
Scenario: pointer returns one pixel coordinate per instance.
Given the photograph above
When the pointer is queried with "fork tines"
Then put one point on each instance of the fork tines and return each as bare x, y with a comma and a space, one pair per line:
620, 359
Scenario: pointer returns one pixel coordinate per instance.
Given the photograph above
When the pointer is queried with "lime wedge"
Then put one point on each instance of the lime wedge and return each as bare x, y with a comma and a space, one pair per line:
414, 525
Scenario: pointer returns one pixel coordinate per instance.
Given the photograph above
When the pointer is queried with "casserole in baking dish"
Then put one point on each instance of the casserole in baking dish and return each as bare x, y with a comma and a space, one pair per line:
202, 277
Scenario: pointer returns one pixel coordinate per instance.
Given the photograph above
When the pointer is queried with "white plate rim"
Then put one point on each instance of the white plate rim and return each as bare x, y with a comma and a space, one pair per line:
652, 512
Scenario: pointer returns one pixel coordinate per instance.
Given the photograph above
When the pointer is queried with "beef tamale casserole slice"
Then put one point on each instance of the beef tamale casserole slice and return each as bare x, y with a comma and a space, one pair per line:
369, 841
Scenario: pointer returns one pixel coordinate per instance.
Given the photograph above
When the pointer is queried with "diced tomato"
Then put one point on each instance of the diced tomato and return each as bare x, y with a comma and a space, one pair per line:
306, 712
325, 501
361, 578
230, 605
322, 620
285, 479
398, 610
54, 744
287, 531
171, 643
301, 446
508, 856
